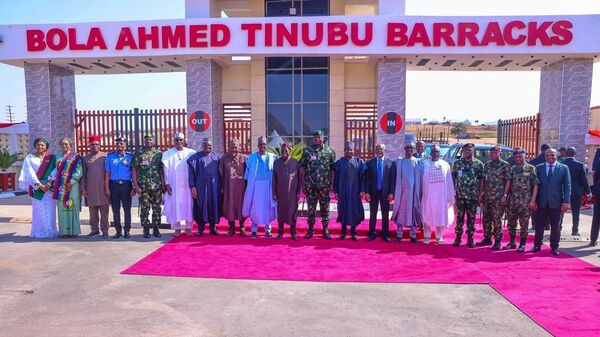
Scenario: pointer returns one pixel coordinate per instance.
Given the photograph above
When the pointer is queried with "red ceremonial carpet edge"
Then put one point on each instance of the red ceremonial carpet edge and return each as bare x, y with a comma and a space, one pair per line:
561, 294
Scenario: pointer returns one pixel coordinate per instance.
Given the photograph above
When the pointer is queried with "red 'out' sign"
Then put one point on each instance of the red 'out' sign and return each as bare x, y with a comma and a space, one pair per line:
391, 123
199, 121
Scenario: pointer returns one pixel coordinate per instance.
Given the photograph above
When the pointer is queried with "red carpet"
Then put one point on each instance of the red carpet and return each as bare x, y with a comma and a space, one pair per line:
561, 294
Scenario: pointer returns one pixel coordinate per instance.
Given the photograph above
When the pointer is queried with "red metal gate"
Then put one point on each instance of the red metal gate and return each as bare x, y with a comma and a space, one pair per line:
520, 132
360, 127
132, 124
237, 123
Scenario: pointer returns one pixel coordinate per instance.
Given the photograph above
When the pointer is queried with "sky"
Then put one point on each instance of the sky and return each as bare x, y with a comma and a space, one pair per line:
486, 96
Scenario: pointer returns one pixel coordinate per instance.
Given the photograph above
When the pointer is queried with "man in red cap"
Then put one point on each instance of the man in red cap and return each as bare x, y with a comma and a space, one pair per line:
92, 188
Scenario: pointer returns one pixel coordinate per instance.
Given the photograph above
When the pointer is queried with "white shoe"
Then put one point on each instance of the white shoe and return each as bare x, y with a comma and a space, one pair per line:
426, 241
440, 241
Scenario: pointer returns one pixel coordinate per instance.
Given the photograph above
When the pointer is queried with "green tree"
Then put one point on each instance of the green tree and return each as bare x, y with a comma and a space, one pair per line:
458, 129
7, 159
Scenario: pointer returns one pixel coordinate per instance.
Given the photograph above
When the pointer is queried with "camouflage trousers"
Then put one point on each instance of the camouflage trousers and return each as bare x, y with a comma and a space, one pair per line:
520, 213
150, 199
470, 208
314, 195
493, 212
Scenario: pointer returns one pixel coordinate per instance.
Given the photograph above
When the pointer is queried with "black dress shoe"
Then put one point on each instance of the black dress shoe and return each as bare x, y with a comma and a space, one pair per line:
126, 236
414, 240
308, 235
371, 237
117, 235
575, 234
200, 233
354, 237
269, 235
294, 237
592, 244
386, 239
555, 252
92, 234
536, 249
342, 236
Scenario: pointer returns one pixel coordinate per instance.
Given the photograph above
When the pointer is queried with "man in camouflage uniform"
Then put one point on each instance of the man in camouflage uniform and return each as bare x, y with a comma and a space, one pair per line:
148, 183
316, 167
523, 193
495, 194
467, 173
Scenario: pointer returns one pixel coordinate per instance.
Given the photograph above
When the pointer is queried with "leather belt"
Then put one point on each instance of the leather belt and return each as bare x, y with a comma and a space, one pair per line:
120, 182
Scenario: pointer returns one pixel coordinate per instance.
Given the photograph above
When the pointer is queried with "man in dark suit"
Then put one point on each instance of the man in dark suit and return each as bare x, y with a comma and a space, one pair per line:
539, 159
553, 199
579, 186
596, 217
380, 181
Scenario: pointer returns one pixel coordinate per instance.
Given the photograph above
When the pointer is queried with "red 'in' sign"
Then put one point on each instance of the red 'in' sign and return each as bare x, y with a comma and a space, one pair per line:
391, 123
199, 121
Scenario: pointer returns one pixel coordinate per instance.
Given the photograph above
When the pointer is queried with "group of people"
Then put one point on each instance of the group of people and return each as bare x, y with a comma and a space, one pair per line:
419, 190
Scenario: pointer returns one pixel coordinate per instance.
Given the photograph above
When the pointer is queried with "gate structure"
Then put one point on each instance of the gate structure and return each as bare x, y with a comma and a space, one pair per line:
360, 123
237, 121
132, 124
520, 132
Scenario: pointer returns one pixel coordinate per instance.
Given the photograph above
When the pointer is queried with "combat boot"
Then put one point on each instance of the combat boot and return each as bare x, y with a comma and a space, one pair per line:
342, 233
457, 241
470, 242
279, 232
231, 228
310, 232
242, 229
326, 235
521, 248
156, 232
511, 244
496, 245
146, 232
484, 242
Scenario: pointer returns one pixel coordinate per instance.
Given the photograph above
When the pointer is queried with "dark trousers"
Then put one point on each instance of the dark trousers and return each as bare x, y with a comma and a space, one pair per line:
545, 215
120, 195
595, 221
575, 208
377, 200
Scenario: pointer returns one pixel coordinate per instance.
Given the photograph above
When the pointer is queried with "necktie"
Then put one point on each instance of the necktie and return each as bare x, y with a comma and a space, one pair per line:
550, 171
379, 174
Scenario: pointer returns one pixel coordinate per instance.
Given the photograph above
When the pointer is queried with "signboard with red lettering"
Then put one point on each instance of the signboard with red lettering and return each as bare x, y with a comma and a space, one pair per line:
391, 123
199, 121
332, 35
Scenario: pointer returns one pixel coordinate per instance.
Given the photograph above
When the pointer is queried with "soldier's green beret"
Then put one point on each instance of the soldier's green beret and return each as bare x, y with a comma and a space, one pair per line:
318, 132
495, 148
468, 145
148, 135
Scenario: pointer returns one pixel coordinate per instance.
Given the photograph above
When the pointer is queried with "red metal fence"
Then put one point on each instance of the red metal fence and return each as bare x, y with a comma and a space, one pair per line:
520, 132
237, 123
360, 127
132, 124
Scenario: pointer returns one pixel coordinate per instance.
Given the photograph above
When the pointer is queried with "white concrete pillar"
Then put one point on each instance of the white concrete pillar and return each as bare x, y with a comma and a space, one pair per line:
565, 92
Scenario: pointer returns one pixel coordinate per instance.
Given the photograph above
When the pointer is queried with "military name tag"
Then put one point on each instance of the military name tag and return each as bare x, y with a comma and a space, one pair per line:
145, 162
460, 173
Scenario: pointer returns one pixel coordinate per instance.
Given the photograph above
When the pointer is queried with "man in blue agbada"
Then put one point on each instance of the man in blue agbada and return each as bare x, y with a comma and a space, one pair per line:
205, 185
348, 188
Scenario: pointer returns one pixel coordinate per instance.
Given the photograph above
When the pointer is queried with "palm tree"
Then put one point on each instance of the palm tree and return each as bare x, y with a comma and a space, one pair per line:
458, 129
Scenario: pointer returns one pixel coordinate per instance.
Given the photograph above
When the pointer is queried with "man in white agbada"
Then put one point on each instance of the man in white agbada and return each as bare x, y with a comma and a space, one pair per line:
438, 195
178, 198
258, 200
407, 202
